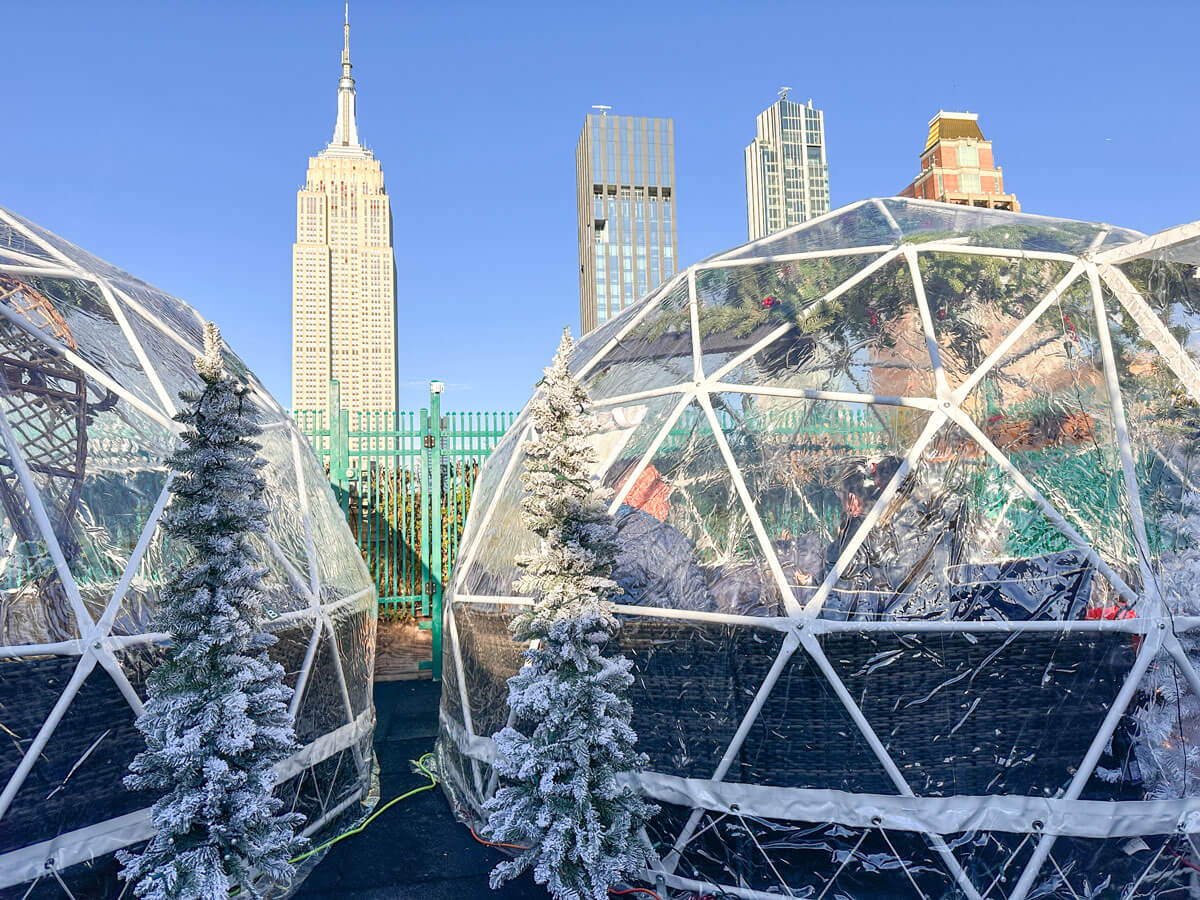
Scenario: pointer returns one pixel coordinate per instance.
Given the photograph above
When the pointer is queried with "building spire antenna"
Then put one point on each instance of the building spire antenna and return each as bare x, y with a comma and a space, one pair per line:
346, 48
345, 132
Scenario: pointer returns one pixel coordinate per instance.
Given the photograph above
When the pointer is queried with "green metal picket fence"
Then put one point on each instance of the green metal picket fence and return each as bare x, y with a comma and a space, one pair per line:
404, 482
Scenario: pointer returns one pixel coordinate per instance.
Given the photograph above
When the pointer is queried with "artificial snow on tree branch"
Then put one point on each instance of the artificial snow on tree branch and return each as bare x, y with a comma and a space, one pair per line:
1169, 718
216, 721
562, 797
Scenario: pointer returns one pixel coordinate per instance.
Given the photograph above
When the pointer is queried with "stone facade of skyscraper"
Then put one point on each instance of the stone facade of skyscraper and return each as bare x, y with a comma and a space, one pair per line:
625, 174
957, 166
343, 272
787, 173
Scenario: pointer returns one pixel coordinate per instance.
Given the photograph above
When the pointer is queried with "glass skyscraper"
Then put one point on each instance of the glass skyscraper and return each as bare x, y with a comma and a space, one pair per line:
625, 174
787, 175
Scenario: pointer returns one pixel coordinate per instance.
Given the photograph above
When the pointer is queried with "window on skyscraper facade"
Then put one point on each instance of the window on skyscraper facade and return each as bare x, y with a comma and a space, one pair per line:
968, 155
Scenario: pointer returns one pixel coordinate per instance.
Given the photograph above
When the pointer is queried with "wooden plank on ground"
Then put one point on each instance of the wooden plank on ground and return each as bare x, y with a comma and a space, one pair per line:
402, 646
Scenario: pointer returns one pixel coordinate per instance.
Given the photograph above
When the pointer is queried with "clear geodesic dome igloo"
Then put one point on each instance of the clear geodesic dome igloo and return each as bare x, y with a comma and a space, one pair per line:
909, 542
92, 361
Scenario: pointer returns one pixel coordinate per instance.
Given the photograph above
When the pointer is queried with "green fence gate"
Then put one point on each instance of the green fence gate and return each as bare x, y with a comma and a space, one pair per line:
404, 481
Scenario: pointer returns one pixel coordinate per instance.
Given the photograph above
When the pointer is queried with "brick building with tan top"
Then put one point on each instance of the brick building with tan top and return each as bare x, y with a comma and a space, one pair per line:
957, 166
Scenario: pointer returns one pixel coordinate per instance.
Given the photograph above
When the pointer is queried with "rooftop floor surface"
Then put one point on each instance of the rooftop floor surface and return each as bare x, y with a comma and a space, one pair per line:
416, 850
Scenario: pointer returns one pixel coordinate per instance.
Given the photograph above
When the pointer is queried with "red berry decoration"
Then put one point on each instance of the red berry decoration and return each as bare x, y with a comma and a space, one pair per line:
1071, 327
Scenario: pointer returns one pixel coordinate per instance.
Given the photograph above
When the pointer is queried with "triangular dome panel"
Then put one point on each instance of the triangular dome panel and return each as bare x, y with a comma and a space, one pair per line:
693, 734
177, 321
688, 539
975, 303
76, 779
124, 474
590, 346
959, 538
487, 565
340, 568
286, 513
72, 314
490, 657
655, 352
626, 432
825, 748
11, 238
861, 225
1063, 441
925, 220
321, 708
738, 307
935, 701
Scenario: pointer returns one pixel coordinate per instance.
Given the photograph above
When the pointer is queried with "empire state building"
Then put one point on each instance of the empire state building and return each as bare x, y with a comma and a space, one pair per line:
343, 272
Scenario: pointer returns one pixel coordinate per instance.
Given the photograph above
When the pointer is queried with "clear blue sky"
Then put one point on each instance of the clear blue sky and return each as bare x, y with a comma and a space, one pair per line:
170, 138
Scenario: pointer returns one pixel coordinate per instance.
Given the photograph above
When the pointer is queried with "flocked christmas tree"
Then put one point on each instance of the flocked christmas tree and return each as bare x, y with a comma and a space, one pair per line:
1169, 715
216, 721
562, 796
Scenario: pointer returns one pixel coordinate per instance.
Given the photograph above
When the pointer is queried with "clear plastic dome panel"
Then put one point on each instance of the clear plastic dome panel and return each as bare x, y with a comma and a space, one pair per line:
862, 225
654, 352
742, 307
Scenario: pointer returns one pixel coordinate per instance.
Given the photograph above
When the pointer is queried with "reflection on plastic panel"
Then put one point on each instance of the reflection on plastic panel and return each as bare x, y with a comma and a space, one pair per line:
922, 222
74, 315
860, 226
741, 307
656, 352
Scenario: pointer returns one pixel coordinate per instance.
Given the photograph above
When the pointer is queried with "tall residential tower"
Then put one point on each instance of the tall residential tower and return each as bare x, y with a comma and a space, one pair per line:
787, 174
957, 165
343, 272
625, 174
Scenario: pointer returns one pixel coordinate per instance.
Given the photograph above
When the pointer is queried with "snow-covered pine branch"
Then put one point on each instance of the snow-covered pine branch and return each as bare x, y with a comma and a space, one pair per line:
1169, 717
216, 721
562, 795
